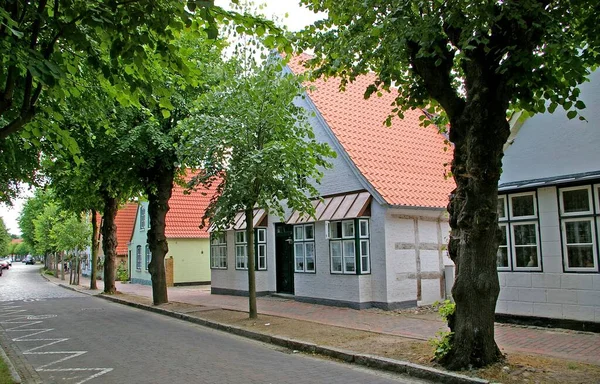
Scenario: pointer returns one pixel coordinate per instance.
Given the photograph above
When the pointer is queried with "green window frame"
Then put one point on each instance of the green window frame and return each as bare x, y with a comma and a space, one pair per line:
349, 246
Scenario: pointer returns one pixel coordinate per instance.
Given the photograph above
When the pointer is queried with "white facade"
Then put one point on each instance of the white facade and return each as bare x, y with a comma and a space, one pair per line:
557, 287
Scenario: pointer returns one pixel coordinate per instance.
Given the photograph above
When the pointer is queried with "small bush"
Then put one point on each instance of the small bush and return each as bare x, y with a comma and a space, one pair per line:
122, 274
442, 343
48, 272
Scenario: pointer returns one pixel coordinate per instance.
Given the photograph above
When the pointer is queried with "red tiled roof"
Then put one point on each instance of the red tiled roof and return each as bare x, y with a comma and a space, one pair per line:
186, 211
404, 162
125, 221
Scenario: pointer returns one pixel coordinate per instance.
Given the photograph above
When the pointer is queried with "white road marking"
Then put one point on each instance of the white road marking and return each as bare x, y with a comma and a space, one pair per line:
10, 315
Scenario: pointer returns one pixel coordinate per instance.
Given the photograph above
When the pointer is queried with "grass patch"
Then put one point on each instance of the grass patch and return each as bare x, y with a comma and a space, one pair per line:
5, 377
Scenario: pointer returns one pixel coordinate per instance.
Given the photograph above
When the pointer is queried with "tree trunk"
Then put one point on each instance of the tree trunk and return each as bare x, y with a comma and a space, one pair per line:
62, 266
159, 188
71, 278
252, 310
109, 243
478, 134
95, 248
56, 261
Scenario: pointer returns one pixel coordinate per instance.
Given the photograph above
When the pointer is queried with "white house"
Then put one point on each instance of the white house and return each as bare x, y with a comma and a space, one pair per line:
381, 230
549, 207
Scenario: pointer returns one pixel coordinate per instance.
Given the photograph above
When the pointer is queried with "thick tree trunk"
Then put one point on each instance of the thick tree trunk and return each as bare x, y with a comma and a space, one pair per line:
478, 134
252, 310
95, 249
109, 243
55, 259
159, 190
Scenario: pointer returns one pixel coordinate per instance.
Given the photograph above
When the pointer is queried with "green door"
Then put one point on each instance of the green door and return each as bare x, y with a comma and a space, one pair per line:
284, 258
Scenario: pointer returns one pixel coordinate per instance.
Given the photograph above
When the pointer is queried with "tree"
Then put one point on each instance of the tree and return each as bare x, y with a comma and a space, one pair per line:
468, 63
72, 235
45, 240
4, 239
31, 209
22, 249
251, 139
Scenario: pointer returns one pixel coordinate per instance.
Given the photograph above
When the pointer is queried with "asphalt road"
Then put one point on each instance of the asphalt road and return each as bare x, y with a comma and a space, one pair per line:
68, 337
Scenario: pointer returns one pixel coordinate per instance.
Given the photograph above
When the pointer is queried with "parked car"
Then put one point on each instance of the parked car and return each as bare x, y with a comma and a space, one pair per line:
4, 264
9, 261
29, 260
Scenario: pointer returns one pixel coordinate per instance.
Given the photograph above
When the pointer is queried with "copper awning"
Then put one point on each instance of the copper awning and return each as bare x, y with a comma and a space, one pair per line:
239, 223
340, 207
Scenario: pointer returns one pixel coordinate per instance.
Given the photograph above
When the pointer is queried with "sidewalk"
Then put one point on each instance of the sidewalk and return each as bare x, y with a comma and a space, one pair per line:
567, 345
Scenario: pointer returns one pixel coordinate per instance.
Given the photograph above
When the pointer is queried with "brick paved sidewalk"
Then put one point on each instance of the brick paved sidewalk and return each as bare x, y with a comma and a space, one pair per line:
568, 345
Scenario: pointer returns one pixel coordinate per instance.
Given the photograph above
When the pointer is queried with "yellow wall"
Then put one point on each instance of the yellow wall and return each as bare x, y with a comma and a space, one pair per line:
191, 260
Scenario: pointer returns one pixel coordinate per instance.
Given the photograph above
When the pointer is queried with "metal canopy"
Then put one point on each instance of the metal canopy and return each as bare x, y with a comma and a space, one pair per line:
339, 207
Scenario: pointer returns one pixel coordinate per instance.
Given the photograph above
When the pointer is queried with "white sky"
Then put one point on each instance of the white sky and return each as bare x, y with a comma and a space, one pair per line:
298, 18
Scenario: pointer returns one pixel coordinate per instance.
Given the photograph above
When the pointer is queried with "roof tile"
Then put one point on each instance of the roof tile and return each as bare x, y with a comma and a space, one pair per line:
404, 162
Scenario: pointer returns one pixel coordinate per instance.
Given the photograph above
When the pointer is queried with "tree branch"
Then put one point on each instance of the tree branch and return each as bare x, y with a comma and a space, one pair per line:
437, 78
17, 124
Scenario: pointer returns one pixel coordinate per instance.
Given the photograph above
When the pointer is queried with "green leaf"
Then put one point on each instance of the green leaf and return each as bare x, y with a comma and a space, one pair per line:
571, 114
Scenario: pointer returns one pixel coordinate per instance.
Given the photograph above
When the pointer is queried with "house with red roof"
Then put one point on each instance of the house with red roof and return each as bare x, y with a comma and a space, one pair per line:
381, 226
188, 244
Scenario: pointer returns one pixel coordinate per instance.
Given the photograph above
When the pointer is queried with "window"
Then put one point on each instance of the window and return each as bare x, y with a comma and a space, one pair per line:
349, 251
519, 235
260, 250
138, 258
241, 250
578, 227
148, 257
218, 250
142, 218
148, 224
304, 248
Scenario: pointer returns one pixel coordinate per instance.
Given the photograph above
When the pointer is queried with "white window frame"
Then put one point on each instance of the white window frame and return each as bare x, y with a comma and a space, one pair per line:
147, 257
304, 242
217, 260
511, 221
594, 244
515, 246
261, 244
535, 212
138, 258
580, 213
241, 251
507, 246
142, 218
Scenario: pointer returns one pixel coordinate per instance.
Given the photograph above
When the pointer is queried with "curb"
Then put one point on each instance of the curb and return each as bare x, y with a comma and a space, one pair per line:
370, 361
13, 372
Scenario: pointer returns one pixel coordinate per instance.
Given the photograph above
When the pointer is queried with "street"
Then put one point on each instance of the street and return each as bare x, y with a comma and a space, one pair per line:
70, 337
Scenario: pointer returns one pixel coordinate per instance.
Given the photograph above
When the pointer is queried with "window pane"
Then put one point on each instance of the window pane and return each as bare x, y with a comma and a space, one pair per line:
364, 248
310, 256
576, 201
522, 206
526, 256
349, 248
580, 256
578, 232
298, 232
299, 256
309, 232
525, 234
503, 235
364, 256
336, 264
240, 237
347, 228
364, 228
262, 234
336, 249
502, 257
349, 253
365, 265
501, 210
336, 229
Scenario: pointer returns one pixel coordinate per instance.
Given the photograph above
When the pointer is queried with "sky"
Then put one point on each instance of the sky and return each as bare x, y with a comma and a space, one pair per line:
298, 17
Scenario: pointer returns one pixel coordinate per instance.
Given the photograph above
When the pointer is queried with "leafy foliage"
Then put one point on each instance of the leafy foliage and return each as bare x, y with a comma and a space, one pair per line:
250, 138
4, 239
